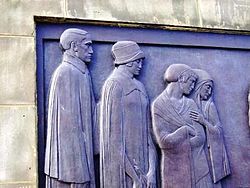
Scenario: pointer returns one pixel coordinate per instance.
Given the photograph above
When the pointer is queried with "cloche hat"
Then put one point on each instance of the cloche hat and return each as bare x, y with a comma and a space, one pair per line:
126, 51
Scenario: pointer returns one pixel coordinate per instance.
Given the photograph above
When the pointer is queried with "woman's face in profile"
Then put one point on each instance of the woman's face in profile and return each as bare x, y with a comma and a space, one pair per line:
206, 90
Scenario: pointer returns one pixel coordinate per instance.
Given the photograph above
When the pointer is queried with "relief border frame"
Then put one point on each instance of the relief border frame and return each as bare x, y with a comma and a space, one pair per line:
43, 22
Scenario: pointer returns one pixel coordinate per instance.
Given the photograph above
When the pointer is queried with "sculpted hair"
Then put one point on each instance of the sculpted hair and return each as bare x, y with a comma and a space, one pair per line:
186, 75
71, 35
178, 72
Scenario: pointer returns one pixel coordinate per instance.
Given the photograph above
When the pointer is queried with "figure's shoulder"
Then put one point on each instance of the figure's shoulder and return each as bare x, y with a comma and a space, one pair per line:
157, 100
160, 100
62, 69
63, 73
112, 84
57, 72
113, 79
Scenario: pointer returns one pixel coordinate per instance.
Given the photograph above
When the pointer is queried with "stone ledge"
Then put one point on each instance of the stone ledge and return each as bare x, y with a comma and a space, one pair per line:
18, 185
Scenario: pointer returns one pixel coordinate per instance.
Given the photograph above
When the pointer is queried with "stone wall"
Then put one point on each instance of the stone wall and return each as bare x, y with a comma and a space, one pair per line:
18, 111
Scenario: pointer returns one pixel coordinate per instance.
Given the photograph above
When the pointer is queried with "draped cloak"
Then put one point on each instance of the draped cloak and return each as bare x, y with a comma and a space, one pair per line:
183, 162
218, 159
215, 147
71, 113
124, 135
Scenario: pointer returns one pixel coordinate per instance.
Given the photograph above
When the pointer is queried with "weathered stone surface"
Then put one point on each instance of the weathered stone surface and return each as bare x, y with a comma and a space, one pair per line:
232, 14
17, 15
17, 70
18, 144
172, 12
18, 184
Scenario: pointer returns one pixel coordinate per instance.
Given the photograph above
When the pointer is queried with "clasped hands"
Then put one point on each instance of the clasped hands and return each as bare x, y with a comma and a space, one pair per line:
197, 117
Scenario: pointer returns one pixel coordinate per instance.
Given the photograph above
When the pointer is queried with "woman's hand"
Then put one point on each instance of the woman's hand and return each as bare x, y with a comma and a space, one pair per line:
198, 117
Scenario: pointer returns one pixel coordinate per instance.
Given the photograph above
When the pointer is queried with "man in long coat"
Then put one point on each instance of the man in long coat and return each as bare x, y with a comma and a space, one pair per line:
127, 151
71, 113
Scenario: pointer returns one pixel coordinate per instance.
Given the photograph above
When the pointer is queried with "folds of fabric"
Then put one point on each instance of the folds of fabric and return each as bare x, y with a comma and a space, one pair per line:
71, 108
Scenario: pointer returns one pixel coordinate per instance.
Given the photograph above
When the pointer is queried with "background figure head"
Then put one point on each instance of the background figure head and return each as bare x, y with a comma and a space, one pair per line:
77, 42
183, 75
128, 55
204, 86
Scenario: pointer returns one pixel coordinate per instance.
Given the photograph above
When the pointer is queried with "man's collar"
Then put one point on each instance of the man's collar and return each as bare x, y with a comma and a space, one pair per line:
75, 61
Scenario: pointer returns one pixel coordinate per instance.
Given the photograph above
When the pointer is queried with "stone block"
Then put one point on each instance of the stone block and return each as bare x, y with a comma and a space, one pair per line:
232, 14
18, 144
17, 70
18, 185
174, 12
18, 14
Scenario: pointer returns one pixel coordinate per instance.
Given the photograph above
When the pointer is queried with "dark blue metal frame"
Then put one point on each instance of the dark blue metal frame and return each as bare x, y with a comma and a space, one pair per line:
110, 32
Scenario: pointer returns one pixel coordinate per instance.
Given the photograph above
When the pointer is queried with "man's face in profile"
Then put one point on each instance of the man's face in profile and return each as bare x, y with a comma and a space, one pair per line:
84, 49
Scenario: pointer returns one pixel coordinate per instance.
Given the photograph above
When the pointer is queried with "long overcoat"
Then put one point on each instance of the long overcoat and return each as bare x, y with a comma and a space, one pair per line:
71, 113
125, 136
